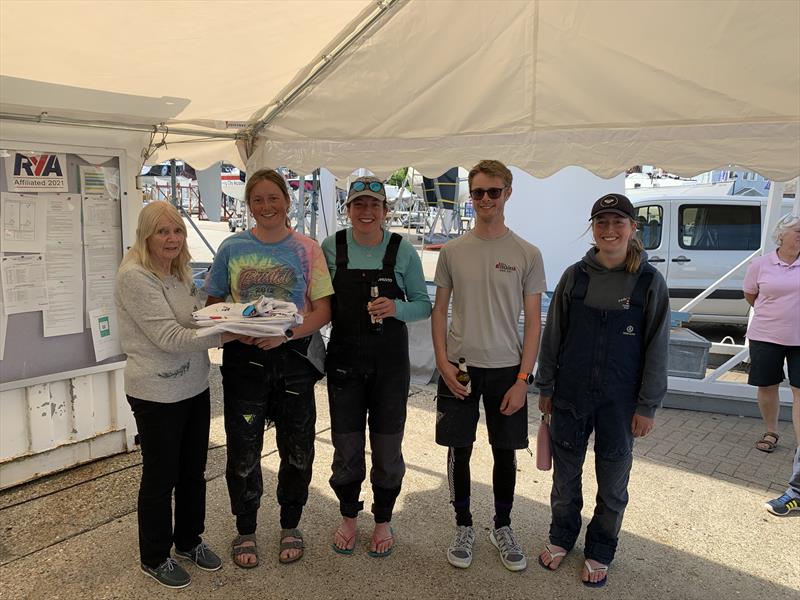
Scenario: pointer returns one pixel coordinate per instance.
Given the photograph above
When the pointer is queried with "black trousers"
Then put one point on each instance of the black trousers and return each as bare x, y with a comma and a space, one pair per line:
259, 387
174, 443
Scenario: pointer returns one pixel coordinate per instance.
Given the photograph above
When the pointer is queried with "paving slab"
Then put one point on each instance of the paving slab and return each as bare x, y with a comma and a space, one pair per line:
690, 531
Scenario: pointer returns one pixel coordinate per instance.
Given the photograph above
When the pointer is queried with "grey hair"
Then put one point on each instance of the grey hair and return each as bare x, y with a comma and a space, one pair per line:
783, 225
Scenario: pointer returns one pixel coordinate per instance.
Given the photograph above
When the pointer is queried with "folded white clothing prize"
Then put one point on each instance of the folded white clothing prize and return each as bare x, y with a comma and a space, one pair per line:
261, 318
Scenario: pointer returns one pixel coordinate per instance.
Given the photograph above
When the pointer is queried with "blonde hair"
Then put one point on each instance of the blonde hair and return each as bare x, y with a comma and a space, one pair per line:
492, 168
147, 225
785, 223
277, 179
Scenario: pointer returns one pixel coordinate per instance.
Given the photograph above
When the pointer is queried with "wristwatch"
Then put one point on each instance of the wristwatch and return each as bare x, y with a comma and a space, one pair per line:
526, 377
288, 334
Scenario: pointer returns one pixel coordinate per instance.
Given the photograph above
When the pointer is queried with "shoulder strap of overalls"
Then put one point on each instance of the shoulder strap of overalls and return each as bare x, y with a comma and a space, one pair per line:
341, 249
580, 282
390, 256
642, 285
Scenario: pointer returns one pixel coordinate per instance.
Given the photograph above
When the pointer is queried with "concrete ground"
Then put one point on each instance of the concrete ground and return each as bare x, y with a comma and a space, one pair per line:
695, 527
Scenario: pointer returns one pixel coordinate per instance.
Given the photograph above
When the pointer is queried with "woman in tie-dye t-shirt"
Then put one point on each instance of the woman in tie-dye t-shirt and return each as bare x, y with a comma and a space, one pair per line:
273, 378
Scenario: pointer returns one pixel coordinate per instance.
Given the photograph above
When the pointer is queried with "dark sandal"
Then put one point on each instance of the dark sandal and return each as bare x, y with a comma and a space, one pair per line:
296, 544
766, 445
239, 550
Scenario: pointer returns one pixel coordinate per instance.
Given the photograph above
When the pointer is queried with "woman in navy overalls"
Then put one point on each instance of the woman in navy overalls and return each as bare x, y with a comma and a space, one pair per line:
368, 365
602, 369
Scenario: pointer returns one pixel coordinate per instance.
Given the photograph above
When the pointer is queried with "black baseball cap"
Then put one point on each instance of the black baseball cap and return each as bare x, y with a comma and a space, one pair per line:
613, 203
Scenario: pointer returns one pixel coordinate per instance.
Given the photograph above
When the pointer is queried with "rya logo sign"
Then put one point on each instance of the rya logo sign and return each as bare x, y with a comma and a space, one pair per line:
35, 172
41, 165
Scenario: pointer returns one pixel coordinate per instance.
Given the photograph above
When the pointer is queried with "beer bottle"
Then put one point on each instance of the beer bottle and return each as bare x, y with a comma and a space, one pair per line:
376, 323
463, 375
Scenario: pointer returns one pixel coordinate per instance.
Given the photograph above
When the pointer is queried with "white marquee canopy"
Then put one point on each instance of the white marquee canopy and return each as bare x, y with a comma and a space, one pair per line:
688, 86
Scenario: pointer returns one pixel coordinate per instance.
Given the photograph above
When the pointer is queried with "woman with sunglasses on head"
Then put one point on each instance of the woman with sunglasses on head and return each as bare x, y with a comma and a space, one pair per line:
379, 287
602, 369
273, 379
772, 287
166, 382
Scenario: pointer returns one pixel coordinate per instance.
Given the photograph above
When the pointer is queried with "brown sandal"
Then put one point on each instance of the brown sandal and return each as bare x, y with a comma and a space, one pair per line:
766, 445
296, 544
239, 549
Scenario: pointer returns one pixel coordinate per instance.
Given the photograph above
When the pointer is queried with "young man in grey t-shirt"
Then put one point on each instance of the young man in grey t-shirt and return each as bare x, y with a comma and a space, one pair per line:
492, 275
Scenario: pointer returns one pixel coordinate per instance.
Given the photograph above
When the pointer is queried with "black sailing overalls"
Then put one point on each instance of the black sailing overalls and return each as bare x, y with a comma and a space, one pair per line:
596, 388
368, 377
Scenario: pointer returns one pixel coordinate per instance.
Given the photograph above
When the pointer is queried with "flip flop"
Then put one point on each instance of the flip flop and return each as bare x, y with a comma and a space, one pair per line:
592, 570
347, 540
553, 555
387, 552
238, 550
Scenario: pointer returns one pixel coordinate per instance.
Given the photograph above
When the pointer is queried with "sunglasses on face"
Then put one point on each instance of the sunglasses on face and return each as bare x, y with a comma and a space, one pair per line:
493, 193
360, 186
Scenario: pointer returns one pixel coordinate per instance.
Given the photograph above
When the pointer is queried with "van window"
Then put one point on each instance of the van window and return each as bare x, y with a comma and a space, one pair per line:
715, 227
648, 225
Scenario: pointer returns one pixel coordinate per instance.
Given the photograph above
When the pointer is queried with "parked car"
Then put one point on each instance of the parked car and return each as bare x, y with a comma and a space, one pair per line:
693, 241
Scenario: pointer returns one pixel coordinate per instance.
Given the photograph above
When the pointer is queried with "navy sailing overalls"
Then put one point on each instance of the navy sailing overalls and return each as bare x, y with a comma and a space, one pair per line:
368, 378
596, 388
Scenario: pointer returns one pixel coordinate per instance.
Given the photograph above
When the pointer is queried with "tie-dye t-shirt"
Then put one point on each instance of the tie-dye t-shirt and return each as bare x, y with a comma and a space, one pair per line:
293, 269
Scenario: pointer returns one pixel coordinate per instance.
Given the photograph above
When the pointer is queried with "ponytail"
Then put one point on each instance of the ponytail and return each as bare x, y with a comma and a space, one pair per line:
633, 258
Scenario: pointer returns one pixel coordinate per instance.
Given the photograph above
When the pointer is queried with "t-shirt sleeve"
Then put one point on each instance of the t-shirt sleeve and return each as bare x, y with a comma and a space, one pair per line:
321, 285
442, 278
750, 283
218, 279
534, 277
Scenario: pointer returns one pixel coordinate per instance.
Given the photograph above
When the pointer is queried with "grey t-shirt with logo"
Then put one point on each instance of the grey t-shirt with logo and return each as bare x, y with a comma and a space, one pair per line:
488, 279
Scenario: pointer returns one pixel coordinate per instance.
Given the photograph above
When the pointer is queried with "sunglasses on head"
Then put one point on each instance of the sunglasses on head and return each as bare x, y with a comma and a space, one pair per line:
360, 186
493, 193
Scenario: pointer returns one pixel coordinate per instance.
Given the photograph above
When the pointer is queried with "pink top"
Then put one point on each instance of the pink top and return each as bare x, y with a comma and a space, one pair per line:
777, 307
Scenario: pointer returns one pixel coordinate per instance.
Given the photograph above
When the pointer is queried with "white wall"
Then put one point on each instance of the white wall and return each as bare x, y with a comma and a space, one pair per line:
553, 213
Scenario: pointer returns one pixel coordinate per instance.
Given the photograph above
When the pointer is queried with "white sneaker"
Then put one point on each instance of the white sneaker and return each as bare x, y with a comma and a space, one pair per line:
459, 554
510, 551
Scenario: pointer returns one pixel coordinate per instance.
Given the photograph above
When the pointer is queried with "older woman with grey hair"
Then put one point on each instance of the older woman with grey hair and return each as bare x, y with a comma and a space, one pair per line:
772, 287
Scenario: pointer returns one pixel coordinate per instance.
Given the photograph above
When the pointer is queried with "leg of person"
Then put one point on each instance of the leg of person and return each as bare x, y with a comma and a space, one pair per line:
613, 461
347, 402
388, 398
568, 436
789, 501
766, 372
244, 384
159, 437
456, 425
295, 420
507, 433
190, 490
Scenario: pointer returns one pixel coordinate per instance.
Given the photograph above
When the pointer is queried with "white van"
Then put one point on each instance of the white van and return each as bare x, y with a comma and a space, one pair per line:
693, 241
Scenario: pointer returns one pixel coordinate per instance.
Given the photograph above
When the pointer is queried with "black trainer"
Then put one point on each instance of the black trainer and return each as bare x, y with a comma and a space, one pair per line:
169, 574
202, 556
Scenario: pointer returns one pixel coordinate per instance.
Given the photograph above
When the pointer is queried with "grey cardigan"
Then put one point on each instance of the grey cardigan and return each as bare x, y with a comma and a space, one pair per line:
167, 361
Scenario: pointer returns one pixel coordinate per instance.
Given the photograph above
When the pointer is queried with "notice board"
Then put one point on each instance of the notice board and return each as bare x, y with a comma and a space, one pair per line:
60, 246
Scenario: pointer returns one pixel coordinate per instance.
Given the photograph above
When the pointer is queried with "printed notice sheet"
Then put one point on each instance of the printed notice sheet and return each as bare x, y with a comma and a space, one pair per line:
99, 293
102, 181
63, 255
24, 222
24, 283
105, 333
